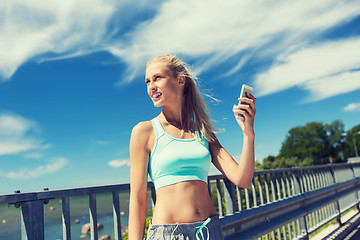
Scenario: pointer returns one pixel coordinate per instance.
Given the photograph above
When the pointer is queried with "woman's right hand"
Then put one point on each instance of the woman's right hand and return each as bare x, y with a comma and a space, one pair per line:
248, 111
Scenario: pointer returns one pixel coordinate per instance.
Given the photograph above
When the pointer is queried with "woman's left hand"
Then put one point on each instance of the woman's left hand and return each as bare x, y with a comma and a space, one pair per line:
248, 111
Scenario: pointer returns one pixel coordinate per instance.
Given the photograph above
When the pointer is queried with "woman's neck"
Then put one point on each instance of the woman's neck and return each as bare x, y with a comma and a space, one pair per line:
173, 117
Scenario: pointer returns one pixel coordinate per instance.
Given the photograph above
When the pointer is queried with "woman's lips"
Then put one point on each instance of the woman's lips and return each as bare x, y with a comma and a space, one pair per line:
156, 96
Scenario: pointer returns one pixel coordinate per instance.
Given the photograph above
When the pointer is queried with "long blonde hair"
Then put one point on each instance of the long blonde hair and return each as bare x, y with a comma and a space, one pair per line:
195, 111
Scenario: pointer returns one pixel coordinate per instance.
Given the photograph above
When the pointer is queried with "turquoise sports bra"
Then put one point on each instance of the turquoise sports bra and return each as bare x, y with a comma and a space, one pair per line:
174, 160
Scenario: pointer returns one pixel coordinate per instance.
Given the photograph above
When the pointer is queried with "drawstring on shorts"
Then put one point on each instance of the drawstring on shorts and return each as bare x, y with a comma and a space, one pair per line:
177, 225
200, 228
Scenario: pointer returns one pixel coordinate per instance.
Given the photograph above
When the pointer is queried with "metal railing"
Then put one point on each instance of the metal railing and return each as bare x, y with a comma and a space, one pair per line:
286, 203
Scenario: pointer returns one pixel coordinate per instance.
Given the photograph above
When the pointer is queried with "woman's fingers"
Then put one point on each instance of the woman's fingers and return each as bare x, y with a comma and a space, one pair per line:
246, 104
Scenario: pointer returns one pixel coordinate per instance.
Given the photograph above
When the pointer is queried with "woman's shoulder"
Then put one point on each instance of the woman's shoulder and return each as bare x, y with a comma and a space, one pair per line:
142, 128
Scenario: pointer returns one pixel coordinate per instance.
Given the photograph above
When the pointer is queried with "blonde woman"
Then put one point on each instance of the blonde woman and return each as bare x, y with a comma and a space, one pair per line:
175, 149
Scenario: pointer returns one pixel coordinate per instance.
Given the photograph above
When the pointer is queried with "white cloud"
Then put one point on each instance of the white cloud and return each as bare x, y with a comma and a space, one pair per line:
66, 27
352, 107
211, 32
329, 86
16, 134
119, 163
55, 165
325, 70
218, 30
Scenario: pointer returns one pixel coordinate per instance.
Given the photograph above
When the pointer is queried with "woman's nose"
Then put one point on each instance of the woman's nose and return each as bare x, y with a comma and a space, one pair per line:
152, 86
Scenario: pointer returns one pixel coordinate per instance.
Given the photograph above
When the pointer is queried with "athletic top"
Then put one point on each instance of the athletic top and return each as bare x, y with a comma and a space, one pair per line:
174, 160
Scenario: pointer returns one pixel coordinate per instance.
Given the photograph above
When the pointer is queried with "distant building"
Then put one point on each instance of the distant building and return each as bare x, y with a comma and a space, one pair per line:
353, 159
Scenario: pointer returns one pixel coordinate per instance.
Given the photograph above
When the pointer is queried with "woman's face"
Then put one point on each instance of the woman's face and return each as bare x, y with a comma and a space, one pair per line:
162, 86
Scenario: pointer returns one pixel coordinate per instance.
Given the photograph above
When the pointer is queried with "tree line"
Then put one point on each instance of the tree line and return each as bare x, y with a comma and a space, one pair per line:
313, 144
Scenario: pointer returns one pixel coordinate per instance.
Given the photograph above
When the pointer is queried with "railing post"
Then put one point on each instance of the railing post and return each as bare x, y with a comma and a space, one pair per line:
297, 191
66, 218
93, 217
32, 220
357, 193
230, 202
153, 195
219, 197
116, 215
336, 203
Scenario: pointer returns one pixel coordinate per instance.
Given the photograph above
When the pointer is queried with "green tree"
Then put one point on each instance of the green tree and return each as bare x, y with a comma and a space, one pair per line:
348, 146
309, 142
335, 131
272, 162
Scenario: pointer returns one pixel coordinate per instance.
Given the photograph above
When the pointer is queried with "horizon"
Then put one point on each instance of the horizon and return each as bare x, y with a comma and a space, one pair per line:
72, 78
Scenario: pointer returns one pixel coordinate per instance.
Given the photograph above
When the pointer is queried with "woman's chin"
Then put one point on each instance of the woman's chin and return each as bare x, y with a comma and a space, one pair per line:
157, 104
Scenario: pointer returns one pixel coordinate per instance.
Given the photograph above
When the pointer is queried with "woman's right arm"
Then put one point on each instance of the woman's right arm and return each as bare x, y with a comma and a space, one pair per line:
139, 158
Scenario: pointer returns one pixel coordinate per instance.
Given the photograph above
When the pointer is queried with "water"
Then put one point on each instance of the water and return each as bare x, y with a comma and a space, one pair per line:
79, 210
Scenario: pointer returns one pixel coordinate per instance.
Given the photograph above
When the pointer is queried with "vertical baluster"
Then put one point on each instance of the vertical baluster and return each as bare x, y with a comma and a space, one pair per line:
321, 177
267, 193
289, 231
312, 187
116, 215
272, 180
291, 192
299, 231
260, 184
316, 186
287, 182
93, 217
247, 198
284, 232
274, 192
219, 197
323, 184
239, 197
278, 189
298, 189
268, 200
304, 182
283, 188
318, 178
328, 177
311, 179
66, 226
278, 233
254, 192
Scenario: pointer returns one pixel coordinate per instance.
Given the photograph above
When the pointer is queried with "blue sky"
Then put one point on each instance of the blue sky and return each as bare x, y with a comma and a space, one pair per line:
72, 77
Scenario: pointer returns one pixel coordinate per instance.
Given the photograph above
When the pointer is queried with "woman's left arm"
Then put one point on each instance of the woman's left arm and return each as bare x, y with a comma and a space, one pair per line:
241, 173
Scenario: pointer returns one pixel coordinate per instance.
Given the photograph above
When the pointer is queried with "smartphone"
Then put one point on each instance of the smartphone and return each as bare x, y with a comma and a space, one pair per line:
244, 89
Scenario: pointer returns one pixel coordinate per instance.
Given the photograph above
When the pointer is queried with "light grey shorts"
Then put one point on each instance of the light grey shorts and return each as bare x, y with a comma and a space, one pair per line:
210, 229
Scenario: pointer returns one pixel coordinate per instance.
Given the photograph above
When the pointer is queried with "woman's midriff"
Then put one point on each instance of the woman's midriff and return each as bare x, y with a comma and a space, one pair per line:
183, 202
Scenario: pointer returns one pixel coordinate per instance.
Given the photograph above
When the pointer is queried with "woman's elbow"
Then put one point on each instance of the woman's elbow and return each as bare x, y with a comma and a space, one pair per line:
243, 183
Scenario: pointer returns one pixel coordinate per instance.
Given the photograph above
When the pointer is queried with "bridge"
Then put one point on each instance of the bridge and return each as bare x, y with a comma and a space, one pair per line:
292, 203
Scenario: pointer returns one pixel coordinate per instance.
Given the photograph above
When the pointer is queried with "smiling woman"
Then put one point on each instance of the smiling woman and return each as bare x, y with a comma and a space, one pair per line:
176, 149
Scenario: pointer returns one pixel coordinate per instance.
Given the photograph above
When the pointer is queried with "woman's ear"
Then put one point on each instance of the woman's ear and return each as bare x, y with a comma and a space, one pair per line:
181, 80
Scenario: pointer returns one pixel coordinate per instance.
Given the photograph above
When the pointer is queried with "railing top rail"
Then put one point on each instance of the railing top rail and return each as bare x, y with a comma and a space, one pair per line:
21, 197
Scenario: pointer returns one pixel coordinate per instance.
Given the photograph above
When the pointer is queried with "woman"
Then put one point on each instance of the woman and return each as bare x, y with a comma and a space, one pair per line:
176, 148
